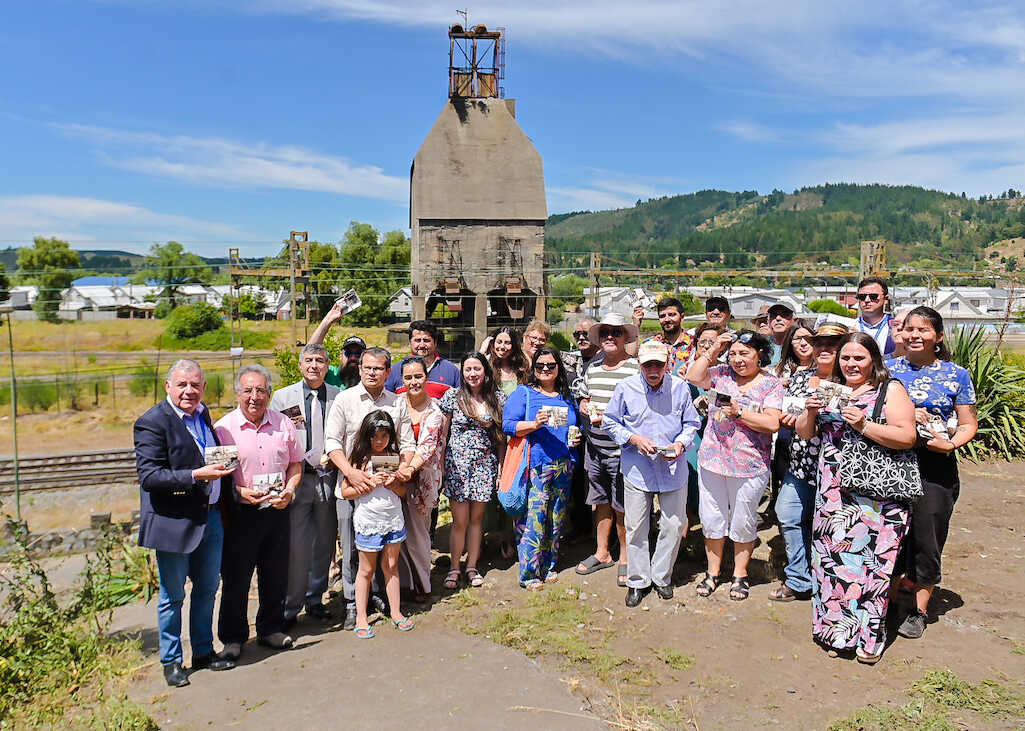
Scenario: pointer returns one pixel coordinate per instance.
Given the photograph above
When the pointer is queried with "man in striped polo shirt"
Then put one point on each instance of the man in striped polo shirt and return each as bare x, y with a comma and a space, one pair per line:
601, 452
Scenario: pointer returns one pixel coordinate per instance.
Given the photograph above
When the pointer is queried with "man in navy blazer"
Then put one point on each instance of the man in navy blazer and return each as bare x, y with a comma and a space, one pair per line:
179, 516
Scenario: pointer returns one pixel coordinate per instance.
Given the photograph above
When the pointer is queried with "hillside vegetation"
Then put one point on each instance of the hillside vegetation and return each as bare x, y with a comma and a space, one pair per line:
826, 223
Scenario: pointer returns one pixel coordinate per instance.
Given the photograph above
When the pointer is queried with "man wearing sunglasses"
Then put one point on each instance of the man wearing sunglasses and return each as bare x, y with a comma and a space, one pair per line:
601, 452
872, 316
587, 352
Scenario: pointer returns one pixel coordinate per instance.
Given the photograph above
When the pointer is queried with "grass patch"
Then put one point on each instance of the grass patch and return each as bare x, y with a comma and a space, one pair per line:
558, 625
936, 695
674, 659
219, 339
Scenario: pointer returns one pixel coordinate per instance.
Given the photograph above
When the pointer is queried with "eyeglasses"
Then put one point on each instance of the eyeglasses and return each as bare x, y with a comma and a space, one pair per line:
716, 309
744, 338
374, 369
869, 296
580, 334
611, 332
536, 339
551, 366
800, 338
258, 391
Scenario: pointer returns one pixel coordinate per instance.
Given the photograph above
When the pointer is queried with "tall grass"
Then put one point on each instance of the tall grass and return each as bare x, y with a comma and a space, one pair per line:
1000, 392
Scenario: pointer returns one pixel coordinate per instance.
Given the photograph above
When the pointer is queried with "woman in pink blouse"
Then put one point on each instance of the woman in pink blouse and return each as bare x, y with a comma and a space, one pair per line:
423, 474
733, 460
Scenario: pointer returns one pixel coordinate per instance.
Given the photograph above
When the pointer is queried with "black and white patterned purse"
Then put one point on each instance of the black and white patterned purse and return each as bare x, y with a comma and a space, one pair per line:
877, 472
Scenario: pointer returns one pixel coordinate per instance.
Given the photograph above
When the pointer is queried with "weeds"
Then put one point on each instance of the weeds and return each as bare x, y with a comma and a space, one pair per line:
56, 659
674, 659
938, 693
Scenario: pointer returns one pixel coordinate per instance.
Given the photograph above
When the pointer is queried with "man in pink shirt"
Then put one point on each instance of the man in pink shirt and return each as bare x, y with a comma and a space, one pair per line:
257, 532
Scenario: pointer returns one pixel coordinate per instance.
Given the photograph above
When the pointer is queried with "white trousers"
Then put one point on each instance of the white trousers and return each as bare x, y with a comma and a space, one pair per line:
643, 568
729, 505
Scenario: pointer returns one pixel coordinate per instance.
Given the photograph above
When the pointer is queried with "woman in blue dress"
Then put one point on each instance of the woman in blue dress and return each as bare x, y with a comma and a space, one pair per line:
939, 389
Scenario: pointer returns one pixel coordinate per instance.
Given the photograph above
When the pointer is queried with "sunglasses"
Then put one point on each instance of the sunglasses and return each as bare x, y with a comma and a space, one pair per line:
546, 366
744, 338
870, 296
580, 334
611, 332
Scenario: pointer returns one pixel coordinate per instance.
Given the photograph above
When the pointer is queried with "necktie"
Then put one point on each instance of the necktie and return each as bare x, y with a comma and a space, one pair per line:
316, 430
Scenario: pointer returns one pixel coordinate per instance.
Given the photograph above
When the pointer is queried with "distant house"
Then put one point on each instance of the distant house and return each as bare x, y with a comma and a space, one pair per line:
400, 304
619, 299
746, 306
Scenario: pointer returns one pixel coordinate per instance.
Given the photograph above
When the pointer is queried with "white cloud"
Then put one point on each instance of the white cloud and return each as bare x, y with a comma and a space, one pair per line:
226, 163
748, 131
83, 220
873, 48
607, 190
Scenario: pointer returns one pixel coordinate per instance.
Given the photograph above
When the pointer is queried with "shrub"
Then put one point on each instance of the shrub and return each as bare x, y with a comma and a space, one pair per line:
36, 395
219, 339
215, 386
141, 382
832, 307
286, 363
162, 310
561, 342
189, 321
1000, 394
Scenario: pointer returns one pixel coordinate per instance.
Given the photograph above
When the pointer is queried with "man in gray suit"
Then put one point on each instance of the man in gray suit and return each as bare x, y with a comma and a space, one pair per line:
313, 521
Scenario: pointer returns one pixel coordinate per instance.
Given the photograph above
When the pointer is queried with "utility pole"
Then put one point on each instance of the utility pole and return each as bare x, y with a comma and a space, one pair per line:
596, 286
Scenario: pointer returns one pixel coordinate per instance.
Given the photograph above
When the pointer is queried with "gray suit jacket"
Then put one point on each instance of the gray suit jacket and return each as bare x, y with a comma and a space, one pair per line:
292, 395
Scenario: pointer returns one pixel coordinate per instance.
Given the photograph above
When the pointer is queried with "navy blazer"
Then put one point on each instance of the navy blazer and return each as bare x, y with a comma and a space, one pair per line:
173, 508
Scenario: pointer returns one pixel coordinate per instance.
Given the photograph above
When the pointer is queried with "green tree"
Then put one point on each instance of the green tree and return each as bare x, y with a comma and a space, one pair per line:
171, 266
48, 265
5, 284
189, 321
375, 270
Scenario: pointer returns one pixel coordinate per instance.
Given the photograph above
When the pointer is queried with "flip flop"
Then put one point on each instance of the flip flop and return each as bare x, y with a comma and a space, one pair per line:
364, 633
404, 625
592, 564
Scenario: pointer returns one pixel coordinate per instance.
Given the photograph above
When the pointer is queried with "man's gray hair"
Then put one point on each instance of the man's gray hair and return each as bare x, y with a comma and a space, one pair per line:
253, 368
315, 349
185, 365
377, 353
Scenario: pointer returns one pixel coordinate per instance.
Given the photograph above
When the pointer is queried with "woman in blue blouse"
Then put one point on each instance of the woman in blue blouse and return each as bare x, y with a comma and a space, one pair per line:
939, 389
551, 464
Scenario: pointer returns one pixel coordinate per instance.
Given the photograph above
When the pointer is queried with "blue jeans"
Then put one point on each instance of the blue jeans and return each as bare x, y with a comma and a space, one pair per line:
203, 566
793, 510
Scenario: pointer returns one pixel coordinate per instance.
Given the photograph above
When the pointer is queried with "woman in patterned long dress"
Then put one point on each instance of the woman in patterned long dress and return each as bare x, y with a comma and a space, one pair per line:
552, 455
473, 422
855, 539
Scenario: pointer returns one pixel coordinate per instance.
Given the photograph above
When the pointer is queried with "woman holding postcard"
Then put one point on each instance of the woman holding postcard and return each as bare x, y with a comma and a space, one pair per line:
423, 476
800, 476
855, 538
744, 403
944, 399
544, 412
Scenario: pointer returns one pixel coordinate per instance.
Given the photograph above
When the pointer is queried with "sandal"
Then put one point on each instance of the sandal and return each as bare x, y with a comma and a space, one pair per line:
591, 564
865, 659
533, 585
783, 593
403, 625
739, 589
707, 585
364, 633
621, 575
474, 576
551, 577
451, 579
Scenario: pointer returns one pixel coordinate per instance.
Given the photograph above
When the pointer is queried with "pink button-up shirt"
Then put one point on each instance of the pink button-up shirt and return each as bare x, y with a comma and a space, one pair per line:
263, 449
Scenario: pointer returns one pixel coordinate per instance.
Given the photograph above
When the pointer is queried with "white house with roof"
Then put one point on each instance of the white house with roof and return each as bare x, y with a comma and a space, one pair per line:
747, 305
619, 299
400, 304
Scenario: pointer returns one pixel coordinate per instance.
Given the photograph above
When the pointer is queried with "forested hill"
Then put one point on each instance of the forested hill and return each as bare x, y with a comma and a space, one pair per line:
824, 223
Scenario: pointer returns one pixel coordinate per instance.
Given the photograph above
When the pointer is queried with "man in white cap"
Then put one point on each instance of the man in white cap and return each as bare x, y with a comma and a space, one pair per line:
651, 416
601, 452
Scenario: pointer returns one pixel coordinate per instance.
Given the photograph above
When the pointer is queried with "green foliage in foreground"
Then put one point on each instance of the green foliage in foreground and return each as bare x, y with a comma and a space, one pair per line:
58, 667
832, 307
936, 695
1000, 390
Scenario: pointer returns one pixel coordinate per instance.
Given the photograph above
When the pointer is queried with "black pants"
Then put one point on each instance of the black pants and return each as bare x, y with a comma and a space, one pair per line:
930, 516
253, 539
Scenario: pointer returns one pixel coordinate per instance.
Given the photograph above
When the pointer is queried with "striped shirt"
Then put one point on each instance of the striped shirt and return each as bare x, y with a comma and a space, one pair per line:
600, 385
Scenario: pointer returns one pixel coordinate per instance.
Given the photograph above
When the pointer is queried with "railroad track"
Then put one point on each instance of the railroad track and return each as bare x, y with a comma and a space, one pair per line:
61, 471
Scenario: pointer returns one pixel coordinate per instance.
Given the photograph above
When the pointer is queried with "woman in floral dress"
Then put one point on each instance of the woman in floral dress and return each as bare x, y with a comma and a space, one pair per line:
855, 539
476, 445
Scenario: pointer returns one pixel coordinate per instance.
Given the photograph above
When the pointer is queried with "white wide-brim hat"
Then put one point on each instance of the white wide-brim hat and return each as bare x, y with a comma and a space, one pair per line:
612, 319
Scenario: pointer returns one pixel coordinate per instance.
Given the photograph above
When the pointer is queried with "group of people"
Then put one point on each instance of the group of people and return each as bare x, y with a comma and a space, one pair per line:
342, 470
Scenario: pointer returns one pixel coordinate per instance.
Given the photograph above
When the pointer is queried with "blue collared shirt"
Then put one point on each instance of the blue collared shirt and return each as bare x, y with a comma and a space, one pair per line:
664, 415
441, 371
203, 437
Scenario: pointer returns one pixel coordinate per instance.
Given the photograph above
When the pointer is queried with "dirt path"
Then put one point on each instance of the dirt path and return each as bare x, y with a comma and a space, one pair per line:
744, 664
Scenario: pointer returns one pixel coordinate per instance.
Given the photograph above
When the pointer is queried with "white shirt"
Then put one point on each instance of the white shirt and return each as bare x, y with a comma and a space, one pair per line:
349, 409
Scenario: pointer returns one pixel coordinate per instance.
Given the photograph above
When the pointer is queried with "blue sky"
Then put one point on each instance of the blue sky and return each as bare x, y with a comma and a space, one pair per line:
222, 123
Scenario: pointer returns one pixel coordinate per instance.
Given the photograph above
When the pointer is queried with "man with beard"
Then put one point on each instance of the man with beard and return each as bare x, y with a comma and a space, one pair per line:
423, 343
670, 318
346, 373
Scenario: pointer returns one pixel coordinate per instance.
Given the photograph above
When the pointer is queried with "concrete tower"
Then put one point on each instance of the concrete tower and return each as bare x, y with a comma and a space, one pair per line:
477, 205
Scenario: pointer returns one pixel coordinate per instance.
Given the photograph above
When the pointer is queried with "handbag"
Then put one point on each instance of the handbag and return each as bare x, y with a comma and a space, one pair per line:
877, 472
515, 477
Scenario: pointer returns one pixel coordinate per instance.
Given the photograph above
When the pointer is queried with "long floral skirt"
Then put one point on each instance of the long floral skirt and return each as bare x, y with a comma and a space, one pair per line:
855, 541
539, 530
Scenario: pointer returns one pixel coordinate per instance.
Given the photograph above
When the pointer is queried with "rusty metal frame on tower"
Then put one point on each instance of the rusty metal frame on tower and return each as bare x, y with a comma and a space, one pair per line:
297, 273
